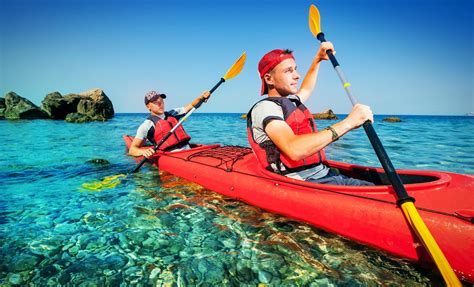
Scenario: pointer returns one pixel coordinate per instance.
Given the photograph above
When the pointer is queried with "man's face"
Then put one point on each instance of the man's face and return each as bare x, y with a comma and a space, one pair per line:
284, 78
157, 106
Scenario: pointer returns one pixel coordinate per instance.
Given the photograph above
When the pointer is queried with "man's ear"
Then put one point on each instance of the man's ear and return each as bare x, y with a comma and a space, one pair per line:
268, 79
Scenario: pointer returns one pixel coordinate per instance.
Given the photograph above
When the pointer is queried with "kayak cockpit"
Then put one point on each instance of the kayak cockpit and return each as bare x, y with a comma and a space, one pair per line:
379, 177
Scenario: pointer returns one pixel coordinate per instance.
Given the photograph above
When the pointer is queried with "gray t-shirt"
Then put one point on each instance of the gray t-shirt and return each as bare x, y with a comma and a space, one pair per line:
263, 113
143, 129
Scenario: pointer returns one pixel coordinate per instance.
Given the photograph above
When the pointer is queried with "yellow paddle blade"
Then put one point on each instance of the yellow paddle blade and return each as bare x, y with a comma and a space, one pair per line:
314, 20
430, 244
107, 182
236, 68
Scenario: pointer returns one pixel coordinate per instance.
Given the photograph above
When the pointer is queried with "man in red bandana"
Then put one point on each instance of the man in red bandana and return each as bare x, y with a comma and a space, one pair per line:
281, 130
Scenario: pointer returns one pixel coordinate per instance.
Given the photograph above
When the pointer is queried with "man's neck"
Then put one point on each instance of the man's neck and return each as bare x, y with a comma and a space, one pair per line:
158, 115
275, 93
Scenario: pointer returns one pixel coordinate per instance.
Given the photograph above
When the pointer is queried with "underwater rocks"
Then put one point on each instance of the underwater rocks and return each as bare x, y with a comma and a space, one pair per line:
98, 161
92, 105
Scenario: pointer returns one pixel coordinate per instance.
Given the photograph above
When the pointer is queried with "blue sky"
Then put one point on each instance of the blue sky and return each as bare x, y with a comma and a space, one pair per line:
402, 57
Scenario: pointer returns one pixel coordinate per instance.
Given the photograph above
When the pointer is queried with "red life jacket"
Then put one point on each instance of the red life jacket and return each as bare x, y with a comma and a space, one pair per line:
162, 127
298, 117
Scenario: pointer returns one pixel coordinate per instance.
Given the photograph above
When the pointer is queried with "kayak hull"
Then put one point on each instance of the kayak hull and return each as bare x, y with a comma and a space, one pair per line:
368, 215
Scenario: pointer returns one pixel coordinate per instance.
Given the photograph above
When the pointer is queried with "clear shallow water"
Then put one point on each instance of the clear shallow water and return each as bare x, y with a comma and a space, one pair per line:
157, 229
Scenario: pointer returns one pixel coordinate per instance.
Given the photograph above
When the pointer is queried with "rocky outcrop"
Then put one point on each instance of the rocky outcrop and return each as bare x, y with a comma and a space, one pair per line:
325, 115
2, 108
58, 107
392, 120
17, 107
92, 105
78, 118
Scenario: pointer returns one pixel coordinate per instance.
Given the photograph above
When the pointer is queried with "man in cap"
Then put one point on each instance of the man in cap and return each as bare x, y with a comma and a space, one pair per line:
159, 123
281, 130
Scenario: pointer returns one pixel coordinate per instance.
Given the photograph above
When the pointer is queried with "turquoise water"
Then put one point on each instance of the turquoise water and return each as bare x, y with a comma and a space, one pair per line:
157, 229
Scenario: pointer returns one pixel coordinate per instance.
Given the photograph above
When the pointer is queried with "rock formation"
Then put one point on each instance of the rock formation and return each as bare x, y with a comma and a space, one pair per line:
392, 120
2, 108
17, 107
92, 105
58, 107
325, 115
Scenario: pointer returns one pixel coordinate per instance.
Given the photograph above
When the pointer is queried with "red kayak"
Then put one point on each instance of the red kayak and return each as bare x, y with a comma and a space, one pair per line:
368, 215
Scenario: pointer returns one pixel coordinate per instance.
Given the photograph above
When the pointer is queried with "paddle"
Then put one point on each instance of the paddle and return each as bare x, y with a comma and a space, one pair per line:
403, 199
114, 180
232, 72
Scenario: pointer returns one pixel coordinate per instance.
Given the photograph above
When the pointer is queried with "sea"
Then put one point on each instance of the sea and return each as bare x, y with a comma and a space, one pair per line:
155, 229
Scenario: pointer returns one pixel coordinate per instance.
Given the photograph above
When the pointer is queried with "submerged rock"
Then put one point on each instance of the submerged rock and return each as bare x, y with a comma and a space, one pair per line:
392, 120
325, 115
17, 107
15, 279
24, 262
98, 161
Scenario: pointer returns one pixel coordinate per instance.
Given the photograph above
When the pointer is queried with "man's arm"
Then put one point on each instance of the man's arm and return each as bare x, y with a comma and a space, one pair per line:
136, 150
189, 106
298, 147
309, 81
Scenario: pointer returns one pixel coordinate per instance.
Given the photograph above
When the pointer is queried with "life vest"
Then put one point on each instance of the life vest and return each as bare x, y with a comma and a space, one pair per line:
298, 117
162, 127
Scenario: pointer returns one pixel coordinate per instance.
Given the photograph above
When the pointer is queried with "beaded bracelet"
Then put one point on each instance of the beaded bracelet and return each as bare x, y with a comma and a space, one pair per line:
335, 136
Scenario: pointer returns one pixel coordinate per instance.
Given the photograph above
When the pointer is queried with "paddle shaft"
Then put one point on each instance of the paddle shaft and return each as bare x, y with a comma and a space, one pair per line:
157, 146
387, 165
